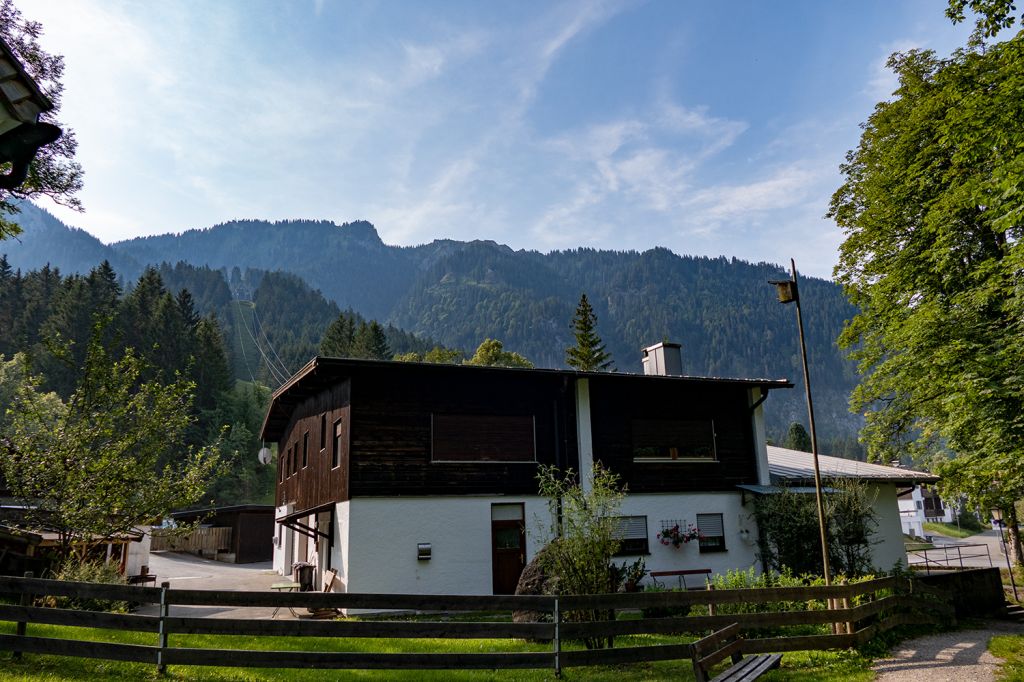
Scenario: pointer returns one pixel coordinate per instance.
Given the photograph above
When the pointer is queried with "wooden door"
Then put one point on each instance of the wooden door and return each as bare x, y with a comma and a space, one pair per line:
508, 546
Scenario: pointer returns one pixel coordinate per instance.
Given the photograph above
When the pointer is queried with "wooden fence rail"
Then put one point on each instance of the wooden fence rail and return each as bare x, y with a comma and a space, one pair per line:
884, 603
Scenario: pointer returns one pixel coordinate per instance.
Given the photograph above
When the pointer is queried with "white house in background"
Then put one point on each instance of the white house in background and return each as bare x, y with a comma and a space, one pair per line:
411, 477
921, 504
887, 485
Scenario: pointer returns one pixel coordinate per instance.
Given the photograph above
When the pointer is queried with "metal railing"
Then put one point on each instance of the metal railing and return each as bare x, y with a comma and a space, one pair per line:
949, 557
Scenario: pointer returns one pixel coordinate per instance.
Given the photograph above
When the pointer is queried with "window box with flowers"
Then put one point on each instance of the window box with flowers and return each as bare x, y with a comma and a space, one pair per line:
678, 534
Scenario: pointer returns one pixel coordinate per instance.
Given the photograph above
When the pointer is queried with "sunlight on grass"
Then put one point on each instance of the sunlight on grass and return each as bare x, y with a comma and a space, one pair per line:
949, 530
843, 665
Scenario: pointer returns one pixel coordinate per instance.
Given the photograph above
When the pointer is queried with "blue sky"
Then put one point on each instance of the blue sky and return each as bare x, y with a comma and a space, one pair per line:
708, 128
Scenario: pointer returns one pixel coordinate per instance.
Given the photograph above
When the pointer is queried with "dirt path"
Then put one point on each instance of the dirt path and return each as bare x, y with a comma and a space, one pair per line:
946, 657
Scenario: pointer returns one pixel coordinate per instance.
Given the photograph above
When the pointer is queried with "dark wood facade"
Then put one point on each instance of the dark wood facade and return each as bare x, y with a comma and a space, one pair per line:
619, 404
306, 475
419, 429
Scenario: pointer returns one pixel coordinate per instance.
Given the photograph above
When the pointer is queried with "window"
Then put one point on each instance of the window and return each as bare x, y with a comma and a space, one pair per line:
674, 439
336, 452
323, 432
292, 459
712, 532
282, 464
478, 438
305, 449
632, 532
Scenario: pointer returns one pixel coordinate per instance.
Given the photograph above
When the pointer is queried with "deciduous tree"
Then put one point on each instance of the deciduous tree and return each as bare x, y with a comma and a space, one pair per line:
54, 172
88, 468
492, 353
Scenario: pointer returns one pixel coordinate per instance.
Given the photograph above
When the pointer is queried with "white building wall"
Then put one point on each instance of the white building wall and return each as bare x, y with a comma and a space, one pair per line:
340, 550
383, 534
138, 552
912, 513
584, 435
889, 533
740, 551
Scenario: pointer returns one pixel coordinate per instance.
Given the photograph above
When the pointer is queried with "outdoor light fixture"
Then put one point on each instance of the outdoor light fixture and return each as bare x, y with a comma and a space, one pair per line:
788, 292
21, 131
997, 516
423, 551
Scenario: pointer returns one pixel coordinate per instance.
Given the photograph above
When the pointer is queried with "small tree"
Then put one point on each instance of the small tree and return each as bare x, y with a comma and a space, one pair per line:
491, 353
588, 355
797, 438
789, 537
585, 529
88, 468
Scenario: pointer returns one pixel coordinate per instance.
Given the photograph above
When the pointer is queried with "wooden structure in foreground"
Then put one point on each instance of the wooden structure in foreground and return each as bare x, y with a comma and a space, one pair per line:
880, 605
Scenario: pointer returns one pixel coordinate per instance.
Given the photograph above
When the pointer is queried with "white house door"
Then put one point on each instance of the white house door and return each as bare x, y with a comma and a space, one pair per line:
508, 546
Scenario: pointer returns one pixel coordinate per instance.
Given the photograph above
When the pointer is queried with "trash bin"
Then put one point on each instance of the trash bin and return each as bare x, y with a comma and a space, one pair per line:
302, 573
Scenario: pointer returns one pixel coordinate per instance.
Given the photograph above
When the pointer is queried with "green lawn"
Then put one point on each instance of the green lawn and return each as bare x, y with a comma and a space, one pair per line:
949, 530
844, 666
1011, 649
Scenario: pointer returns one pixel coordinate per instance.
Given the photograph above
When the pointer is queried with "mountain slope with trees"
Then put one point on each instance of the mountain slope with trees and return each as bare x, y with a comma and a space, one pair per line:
457, 294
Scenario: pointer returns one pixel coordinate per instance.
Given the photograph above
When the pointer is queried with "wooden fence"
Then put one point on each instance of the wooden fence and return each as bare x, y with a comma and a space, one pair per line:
882, 604
205, 541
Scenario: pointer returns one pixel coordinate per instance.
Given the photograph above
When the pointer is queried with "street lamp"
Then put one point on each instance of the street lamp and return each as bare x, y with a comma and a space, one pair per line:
789, 293
997, 516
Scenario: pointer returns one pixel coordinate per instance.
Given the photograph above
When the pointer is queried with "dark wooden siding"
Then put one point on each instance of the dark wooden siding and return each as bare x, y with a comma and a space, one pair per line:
615, 402
483, 438
317, 483
391, 429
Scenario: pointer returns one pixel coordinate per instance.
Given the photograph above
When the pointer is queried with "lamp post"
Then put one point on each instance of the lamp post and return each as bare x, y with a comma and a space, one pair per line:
788, 293
997, 516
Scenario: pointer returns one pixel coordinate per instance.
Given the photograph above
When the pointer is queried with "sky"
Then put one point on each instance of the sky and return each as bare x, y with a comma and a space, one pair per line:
708, 128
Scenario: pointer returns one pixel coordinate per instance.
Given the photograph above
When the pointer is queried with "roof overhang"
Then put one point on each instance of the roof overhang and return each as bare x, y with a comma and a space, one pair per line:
292, 520
321, 373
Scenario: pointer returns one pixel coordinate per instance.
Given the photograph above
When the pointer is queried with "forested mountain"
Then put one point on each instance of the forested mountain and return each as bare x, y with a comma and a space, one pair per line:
721, 310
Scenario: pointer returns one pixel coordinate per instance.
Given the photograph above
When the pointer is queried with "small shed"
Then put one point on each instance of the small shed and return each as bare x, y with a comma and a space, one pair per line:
252, 528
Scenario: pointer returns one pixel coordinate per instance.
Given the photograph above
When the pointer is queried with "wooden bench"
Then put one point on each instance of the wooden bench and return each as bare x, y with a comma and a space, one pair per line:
725, 643
682, 576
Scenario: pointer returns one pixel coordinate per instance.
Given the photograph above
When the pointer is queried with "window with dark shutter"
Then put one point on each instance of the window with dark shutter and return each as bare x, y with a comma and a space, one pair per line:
479, 438
323, 432
632, 535
305, 449
712, 532
674, 439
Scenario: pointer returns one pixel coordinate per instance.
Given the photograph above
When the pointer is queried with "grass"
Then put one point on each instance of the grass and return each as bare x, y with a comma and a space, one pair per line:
950, 530
844, 666
1011, 649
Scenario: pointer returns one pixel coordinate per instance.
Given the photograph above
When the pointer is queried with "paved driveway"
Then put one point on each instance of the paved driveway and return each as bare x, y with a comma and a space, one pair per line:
188, 572
978, 551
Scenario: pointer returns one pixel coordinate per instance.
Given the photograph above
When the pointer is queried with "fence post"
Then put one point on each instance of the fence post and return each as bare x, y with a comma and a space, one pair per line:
21, 628
557, 640
711, 604
161, 666
846, 606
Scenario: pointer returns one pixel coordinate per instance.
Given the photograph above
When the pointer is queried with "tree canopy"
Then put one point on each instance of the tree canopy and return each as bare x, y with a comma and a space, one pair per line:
54, 172
92, 467
492, 353
933, 214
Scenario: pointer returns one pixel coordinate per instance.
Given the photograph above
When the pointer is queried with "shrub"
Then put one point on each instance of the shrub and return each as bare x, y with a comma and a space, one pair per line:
73, 570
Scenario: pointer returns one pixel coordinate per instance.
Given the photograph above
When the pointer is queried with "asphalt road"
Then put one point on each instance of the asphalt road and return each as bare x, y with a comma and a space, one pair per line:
184, 571
978, 551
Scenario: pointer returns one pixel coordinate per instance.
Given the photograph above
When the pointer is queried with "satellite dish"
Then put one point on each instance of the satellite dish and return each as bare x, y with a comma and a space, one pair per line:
263, 455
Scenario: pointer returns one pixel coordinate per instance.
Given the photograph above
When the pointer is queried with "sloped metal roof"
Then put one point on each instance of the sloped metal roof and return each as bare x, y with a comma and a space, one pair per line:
792, 465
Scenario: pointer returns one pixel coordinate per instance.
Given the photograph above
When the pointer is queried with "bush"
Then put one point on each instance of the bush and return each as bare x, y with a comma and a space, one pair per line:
73, 570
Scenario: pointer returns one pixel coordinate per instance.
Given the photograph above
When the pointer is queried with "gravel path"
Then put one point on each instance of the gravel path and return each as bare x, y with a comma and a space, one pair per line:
946, 657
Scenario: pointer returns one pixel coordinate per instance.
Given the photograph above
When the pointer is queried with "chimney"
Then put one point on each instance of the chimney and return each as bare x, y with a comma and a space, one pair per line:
663, 359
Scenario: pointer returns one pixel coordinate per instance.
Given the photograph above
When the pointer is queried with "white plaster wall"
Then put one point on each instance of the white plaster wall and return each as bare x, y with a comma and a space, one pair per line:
138, 552
383, 534
340, 551
764, 476
889, 532
584, 435
738, 554
282, 548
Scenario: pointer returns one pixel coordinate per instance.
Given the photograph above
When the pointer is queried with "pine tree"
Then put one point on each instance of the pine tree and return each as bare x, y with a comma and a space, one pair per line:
370, 343
338, 338
798, 438
588, 355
